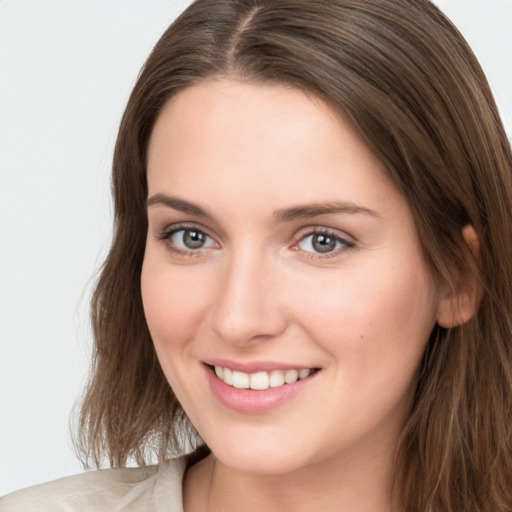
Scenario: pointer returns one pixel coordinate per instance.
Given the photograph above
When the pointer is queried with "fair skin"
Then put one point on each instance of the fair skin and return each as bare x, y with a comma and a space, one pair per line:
276, 241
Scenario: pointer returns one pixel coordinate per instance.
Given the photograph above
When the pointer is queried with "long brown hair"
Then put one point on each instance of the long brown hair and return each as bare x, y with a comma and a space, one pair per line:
408, 82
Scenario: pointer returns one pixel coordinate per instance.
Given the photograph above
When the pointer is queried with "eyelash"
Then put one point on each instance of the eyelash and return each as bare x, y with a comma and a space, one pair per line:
168, 233
346, 243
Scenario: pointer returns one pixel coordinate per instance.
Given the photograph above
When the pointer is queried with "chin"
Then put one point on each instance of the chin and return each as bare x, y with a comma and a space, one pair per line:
253, 463
265, 456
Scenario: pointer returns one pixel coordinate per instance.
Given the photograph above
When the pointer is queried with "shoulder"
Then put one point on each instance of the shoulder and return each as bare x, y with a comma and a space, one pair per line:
151, 489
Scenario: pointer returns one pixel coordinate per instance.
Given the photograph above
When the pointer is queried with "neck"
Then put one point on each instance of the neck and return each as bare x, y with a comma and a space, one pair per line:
355, 485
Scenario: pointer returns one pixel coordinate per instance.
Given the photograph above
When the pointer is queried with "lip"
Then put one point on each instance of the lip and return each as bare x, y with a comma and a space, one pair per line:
250, 401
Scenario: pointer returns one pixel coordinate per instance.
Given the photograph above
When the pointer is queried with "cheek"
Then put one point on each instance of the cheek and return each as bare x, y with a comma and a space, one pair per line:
364, 319
173, 302
169, 307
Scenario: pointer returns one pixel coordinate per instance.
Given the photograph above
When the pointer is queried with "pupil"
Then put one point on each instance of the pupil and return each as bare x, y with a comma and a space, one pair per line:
193, 239
323, 243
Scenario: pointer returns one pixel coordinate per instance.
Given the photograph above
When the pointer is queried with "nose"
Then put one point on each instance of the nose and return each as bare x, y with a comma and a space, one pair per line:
247, 307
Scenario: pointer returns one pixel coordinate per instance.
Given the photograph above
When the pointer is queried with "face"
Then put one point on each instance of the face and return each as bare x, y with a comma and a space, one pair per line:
281, 257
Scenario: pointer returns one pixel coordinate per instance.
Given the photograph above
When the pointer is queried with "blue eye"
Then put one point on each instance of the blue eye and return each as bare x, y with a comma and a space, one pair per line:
322, 243
190, 239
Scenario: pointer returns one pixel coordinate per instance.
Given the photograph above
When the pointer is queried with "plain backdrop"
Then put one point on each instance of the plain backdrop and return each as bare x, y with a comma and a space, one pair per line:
66, 69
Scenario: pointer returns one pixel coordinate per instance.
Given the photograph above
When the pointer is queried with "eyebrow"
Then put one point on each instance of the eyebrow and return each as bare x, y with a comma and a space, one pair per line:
309, 211
178, 204
299, 212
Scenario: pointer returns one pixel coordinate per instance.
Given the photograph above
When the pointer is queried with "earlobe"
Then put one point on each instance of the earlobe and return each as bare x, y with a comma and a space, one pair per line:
457, 307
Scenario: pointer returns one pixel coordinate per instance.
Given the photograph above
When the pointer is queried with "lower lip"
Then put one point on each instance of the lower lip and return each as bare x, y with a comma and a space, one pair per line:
250, 401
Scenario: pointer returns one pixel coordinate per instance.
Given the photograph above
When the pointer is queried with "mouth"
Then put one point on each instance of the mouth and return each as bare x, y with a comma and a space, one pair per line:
261, 380
258, 387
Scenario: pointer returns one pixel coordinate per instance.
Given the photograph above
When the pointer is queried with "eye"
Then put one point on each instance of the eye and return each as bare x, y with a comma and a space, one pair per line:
323, 243
183, 240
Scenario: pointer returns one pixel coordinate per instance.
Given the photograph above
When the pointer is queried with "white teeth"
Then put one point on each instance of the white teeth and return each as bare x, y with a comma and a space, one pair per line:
276, 378
260, 380
304, 373
228, 376
291, 376
240, 380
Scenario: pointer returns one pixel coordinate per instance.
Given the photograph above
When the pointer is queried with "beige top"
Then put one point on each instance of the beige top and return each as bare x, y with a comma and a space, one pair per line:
150, 489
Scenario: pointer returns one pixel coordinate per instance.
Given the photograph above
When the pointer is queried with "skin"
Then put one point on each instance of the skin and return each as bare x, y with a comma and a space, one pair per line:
259, 291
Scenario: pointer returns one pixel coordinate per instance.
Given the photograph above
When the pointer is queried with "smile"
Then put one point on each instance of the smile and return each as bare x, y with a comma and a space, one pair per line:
261, 380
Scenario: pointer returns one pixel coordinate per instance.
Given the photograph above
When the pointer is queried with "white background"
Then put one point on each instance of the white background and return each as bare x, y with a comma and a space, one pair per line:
66, 69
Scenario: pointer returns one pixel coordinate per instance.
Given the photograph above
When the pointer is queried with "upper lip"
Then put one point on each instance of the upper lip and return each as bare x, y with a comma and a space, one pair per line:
255, 366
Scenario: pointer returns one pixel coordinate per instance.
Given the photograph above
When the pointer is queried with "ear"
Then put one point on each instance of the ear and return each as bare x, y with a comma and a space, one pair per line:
456, 308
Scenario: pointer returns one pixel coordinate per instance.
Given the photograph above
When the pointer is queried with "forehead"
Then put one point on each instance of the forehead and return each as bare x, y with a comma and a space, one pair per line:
262, 141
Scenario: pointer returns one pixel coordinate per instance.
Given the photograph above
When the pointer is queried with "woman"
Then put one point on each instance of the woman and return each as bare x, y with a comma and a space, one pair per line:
309, 288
